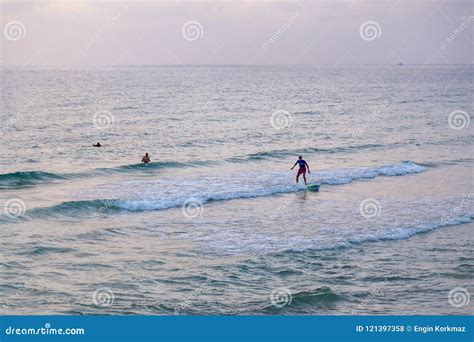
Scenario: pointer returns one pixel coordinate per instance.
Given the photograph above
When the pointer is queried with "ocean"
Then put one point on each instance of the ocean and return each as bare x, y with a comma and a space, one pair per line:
216, 224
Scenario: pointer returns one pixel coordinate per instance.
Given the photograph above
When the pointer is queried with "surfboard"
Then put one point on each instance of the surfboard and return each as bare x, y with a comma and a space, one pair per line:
313, 187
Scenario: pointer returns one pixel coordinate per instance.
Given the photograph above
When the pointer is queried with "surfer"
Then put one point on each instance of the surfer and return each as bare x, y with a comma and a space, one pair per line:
302, 170
97, 145
146, 158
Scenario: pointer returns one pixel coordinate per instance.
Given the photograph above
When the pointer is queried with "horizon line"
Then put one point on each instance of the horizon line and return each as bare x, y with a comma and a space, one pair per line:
225, 65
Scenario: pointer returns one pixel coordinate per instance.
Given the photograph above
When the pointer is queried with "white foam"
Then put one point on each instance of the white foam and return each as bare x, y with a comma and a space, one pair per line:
405, 233
346, 176
165, 193
253, 241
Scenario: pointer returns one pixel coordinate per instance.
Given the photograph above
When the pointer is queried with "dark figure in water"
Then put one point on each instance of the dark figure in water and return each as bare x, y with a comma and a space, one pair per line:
302, 170
97, 145
146, 158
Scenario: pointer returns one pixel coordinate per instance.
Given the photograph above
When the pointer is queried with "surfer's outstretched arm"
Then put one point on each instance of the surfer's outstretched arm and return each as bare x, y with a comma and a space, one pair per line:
308, 167
294, 166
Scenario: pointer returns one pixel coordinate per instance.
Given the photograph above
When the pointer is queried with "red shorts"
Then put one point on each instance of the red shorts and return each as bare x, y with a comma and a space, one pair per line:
302, 171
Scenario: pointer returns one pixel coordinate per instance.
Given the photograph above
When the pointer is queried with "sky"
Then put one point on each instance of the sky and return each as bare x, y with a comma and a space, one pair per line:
89, 33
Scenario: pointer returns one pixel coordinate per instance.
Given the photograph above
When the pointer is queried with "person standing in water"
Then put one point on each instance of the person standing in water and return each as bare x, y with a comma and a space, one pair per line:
146, 158
302, 170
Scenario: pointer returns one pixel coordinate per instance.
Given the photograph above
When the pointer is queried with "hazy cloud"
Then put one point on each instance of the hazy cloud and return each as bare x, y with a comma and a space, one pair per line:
291, 32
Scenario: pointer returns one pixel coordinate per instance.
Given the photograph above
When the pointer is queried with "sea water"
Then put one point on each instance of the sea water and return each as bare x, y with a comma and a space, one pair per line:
216, 223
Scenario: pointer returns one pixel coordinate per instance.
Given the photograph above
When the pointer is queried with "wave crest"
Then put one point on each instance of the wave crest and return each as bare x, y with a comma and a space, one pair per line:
26, 179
